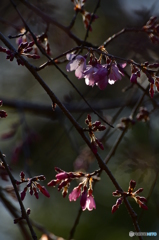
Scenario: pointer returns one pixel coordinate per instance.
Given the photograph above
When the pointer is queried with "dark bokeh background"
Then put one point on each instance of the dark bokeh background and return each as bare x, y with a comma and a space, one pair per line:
52, 143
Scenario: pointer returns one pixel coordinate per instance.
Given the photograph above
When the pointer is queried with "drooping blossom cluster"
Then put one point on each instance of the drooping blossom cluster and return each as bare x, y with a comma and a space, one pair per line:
94, 127
94, 73
32, 185
152, 29
23, 49
86, 16
26, 48
139, 200
149, 70
84, 189
125, 122
41, 39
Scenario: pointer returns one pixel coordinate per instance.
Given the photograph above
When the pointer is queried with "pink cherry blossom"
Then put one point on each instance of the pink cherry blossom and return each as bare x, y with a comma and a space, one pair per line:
83, 197
103, 78
92, 74
77, 63
134, 77
75, 194
89, 204
115, 74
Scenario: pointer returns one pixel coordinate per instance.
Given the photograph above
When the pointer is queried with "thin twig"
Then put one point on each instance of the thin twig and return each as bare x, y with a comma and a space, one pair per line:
11, 208
23, 211
90, 22
120, 33
72, 231
65, 76
73, 19
51, 20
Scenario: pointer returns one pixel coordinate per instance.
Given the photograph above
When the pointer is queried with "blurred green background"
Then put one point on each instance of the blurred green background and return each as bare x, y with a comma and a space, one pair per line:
46, 139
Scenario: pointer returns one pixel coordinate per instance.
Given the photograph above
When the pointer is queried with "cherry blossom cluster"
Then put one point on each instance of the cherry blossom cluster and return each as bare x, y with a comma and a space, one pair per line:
27, 38
139, 200
152, 29
149, 70
94, 127
3, 113
143, 114
94, 73
32, 185
125, 122
84, 189
86, 16
25, 48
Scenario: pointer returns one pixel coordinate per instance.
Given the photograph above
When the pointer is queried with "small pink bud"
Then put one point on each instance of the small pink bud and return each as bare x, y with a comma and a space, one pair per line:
63, 184
35, 193
83, 197
114, 208
116, 193
99, 144
139, 191
22, 175
94, 147
62, 175
41, 177
101, 128
31, 44
97, 123
43, 190
23, 193
75, 193
53, 183
23, 45
151, 90
132, 184
89, 118
28, 50
58, 170
87, 121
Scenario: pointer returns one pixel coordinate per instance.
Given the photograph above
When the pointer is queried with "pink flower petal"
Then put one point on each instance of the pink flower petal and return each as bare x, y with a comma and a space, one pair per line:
75, 194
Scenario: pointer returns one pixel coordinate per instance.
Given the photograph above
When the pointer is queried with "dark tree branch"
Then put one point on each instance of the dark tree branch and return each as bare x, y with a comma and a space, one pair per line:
51, 20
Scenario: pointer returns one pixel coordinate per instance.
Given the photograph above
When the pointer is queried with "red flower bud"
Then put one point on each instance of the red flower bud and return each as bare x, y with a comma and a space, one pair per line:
89, 118
53, 183
43, 190
132, 184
